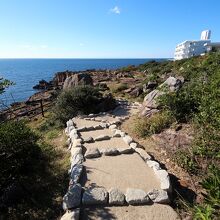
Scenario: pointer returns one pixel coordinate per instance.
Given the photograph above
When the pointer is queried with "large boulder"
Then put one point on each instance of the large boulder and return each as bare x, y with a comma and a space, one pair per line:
77, 80
150, 99
173, 83
149, 86
150, 104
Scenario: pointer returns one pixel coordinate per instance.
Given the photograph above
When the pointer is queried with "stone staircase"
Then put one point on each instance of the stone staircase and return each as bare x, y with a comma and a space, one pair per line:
111, 176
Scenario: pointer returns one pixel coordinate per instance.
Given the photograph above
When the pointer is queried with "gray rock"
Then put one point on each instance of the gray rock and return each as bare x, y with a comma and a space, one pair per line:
72, 199
92, 153
97, 127
116, 197
123, 134
150, 100
68, 142
66, 130
127, 139
164, 180
71, 215
126, 150
136, 197
77, 143
133, 145
116, 122
94, 196
76, 156
104, 125
88, 140
117, 133
110, 152
91, 128
159, 196
75, 173
69, 123
77, 80
73, 134
173, 83
112, 127
69, 129
75, 151
144, 155
102, 138
153, 164
82, 129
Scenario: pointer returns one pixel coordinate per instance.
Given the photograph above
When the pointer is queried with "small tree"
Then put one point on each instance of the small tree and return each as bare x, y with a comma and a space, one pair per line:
78, 100
4, 83
18, 149
81, 100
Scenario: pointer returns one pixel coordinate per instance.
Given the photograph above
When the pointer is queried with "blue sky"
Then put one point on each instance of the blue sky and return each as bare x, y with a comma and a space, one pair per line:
102, 28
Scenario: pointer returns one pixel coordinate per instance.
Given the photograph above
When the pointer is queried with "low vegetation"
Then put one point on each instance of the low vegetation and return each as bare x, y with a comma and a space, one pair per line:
18, 152
157, 123
33, 157
196, 103
33, 172
119, 87
81, 100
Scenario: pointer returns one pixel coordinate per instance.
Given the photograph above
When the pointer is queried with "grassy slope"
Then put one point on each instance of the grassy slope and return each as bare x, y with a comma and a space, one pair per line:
197, 104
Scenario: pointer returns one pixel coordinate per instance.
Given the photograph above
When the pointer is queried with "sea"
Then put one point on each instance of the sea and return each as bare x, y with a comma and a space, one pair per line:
26, 73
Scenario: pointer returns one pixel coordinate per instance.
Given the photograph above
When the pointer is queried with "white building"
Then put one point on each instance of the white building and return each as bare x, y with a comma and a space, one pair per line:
191, 48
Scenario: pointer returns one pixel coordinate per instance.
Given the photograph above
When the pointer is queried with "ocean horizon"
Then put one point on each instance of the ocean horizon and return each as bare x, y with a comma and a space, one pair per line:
27, 72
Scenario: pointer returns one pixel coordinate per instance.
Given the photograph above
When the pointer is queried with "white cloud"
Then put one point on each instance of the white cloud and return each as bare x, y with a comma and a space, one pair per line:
115, 10
81, 44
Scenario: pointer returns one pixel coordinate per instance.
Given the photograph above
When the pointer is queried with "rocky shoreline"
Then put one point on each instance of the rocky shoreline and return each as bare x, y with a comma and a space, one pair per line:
129, 82
47, 91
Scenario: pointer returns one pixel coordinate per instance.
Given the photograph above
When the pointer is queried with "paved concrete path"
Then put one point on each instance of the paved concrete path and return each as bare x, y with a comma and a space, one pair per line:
111, 176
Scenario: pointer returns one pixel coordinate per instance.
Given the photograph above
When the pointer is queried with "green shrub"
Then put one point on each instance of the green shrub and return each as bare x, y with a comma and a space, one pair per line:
128, 68
155, 124
184, 103
210, 209
186, 159
18, 149
120, 87
81, 100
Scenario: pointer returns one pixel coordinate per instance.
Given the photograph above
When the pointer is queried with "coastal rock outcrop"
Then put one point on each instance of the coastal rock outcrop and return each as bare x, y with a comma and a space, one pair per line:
150, 104
77, 80
60, 77
43, 84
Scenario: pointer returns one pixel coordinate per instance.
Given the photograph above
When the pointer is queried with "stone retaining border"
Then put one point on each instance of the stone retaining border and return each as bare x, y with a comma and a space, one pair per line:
99, 195
114, 151
96, 195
